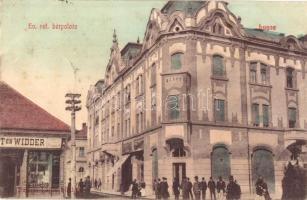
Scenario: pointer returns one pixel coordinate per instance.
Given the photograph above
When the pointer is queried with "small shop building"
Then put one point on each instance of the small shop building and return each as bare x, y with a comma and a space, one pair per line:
31, 147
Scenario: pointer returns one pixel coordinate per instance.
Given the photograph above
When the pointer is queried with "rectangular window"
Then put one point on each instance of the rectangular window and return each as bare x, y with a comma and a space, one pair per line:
253, 72
173, 107
265, 112
255, 114
263, 75
292, 117
290, 77
218, 66
153, 74
176, 61
81, 152
219, 108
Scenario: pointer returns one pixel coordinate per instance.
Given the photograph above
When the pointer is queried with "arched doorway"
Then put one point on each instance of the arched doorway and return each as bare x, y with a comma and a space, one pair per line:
220, 162
263, 165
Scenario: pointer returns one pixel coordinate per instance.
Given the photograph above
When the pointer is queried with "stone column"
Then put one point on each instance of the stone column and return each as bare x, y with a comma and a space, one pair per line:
24, 175
62, 173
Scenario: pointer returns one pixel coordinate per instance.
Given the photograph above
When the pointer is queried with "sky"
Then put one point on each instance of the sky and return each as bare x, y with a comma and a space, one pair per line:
39, 62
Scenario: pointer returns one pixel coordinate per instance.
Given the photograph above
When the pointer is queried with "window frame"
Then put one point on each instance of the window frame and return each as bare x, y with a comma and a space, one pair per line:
217, 113
172, 64
218, 71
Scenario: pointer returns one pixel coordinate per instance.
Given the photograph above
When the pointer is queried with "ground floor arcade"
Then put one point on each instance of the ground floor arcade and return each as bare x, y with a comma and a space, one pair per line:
207, 152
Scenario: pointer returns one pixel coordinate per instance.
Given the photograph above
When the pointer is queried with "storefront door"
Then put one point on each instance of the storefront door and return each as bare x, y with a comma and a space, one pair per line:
179, 171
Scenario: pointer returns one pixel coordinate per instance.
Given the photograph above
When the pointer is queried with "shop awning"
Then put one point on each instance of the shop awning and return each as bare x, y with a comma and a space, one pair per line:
118, 164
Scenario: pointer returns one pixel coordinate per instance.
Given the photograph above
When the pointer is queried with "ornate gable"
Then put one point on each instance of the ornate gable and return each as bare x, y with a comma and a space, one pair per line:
115, 62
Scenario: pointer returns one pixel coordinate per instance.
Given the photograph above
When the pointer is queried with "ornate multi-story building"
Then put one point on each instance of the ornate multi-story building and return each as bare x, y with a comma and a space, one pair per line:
201, 95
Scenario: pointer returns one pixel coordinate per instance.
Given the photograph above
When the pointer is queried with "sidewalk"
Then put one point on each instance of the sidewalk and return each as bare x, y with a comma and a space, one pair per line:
127, 194
244, 196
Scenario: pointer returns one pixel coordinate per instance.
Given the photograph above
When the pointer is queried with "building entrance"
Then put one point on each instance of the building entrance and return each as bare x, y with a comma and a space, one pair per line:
179, 171
9, 172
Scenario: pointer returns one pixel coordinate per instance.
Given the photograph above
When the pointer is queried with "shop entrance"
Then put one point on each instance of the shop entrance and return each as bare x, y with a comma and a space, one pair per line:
9, 173
179, 171
126, 174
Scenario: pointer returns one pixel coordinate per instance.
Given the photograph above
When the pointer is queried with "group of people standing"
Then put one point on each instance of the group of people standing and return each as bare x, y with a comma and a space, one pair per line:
83, 188
138, 189
198, 189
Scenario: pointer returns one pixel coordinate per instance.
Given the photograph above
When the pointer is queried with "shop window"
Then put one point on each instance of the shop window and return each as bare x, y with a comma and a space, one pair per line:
173, 106
263, 165
255, 114
218, 66
265, 112
41, 166
292, 117
176, 147
176, 61
219, 110
81, 152
220, 162
290, 77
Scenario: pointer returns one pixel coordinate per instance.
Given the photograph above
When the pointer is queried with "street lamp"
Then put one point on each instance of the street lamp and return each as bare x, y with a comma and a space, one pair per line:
73, 106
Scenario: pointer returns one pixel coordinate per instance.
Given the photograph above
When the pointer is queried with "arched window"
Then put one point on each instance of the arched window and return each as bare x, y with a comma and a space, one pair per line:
218, 66
290, 77
218, 29
263, 165
176, 147
176, 61
220, 162
81, 169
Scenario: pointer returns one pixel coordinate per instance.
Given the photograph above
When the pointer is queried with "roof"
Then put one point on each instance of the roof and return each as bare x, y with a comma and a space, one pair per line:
18, 112
189, 7
262, 34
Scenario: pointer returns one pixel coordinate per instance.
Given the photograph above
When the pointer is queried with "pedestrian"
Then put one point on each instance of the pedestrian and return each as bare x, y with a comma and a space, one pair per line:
212, 187
231, 190
69, 188
238, 191
164, 189
196, 188
221, 188
95, 183
99, 184
203, 187
87, 185
135, 189
158, 189
81, 187
184, 187
262, 189
176, 188
190, 185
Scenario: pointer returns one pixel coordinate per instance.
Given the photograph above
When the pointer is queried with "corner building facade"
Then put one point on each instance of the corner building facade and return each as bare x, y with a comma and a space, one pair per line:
202, 95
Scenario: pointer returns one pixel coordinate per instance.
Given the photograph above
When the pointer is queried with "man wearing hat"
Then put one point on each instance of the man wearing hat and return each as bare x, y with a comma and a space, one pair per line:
196, 188
164, 188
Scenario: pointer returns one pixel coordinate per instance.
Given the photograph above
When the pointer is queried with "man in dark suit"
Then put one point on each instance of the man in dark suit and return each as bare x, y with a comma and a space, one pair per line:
203, 187
69, 188
164, 188
211, 186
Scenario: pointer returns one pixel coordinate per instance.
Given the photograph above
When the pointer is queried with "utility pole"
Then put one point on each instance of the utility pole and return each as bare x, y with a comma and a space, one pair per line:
73, 105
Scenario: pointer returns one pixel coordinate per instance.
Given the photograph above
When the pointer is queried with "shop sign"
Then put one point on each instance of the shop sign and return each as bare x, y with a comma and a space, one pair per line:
30, 142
